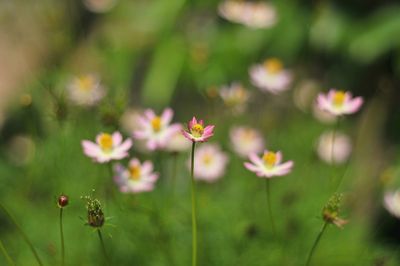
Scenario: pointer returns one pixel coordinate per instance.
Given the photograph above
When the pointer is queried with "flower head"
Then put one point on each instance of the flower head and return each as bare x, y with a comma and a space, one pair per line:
271, 76
156, 130
197, 132
339, 102
391, 202
235, 97
330, 212
250, 14
209, 163
95, 215
246, 140
334, 147
136, 178
62, 201
269, 165
85, 90
107, 147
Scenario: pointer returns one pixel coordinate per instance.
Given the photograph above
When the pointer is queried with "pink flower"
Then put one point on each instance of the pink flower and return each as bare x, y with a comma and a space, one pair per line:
209, 163
246, 140
271, 76
392, 203
197, 132
269, 165
107, 147
339, 102
136, 178
156, 130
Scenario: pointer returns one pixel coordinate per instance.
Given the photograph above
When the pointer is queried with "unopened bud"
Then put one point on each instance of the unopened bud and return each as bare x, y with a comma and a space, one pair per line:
62, 201
95, 215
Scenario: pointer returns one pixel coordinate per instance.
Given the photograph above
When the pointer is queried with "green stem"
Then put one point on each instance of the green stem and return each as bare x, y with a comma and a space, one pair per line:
194, 222
321, 232
268, 193
22, 234
5, 253
103, 247
62, 238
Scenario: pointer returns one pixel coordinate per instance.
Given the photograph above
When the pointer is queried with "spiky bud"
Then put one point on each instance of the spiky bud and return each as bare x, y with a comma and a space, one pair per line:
330, 212
95, 215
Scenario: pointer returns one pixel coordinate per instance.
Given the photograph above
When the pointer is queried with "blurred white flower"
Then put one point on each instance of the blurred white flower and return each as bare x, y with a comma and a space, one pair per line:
99, 6
339, 142
85, 90
339, 102
178, 142
235, 97
250, 14
130, 120
271, 76
391, 202
209, 162
246, 140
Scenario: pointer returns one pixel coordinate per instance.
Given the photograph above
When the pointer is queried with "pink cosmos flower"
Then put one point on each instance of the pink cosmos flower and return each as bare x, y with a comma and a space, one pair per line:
251, 14
246, 140
156, 130
107, 147
85, 90
339, 102
392, 203
269, 165
197, 132
136, 178
271, 76
209, 163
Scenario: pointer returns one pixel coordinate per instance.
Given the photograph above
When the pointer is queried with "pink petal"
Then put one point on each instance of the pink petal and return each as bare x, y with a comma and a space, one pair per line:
147, 167
151, 144
192, 122
139, 134
322, 102
116, 138
149, 114
209, 129
251, 167
187, 135
126, 145
354, 105
166, 116
255, 159
134, 162
278, 157
90, 148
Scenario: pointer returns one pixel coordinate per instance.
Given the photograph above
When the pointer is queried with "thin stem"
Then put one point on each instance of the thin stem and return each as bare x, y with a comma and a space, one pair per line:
103, 247
316, 243
62, 238
22, 234
194, 222
174, 172
5, 253
268, 193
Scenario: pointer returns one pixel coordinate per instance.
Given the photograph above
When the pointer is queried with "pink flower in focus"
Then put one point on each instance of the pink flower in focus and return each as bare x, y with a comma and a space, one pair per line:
246, 140
136, 178
339, 102
269, 165
107, 147
392, 203
209, 163
197, 132
156, 130
271, 76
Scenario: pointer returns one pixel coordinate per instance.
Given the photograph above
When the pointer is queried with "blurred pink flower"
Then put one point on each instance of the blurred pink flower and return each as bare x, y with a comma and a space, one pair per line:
197, 132
209, 163
341, 147
269, 165
136, 178
177, 142
271, 76
339, 102
392, 203
85, 90
235, 97
250, 14
107, 147
246, 140
156, 130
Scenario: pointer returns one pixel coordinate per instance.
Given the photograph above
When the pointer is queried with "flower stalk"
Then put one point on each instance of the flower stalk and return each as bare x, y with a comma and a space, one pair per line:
194, 221
6, 255
268, 195
316, 242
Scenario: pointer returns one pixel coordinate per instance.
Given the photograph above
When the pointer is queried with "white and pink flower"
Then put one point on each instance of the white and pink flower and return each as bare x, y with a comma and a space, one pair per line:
209, 163
156, 130
107, 147
246, 140
197, 132
136, 178
251, 14
85, 90
271, 76
269, 165
338, 102
391, 202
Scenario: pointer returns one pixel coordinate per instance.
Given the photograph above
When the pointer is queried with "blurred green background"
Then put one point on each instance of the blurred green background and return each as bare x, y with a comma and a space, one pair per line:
159, 53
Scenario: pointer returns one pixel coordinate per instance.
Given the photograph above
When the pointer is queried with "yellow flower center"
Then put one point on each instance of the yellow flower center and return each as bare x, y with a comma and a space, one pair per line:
105, 142
85, 83
156, 123
248, 134
338, 98
207, 159
273, 65
135, 172
270, 158
197, 130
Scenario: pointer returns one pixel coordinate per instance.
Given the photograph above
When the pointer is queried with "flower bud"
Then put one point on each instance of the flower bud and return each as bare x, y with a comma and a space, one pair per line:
330, 212
62, 201
95, 215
